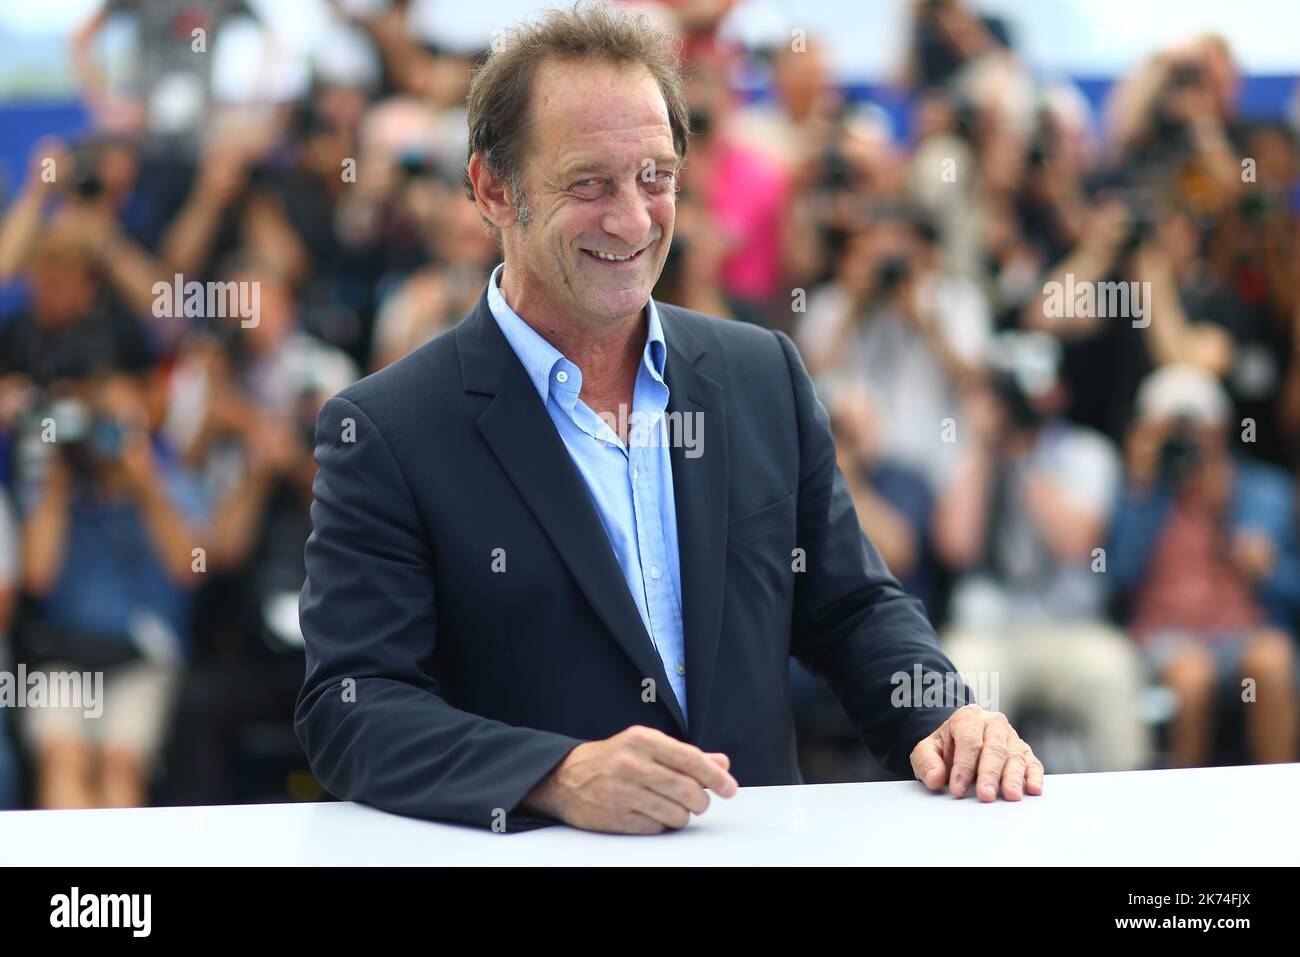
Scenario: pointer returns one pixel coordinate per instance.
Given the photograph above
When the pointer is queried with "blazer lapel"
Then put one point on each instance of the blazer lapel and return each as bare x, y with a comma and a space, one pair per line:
700, 487
519, 430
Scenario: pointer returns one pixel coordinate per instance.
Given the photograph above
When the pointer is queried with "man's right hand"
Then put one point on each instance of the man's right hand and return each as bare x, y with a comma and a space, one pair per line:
1142, 447
640, 781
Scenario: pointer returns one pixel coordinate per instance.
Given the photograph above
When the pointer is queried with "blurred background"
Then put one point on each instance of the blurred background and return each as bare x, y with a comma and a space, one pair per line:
1098, 512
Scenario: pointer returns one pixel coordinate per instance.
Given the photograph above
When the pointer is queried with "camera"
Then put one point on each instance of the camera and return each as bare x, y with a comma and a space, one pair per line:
415, 164
1185, 76
891, 271
1140, 229
88, 441
86, 181
1180, 455
1022, 414
836, 173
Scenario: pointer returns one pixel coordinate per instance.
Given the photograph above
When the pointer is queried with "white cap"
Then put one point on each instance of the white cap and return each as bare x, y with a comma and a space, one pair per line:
1175, 391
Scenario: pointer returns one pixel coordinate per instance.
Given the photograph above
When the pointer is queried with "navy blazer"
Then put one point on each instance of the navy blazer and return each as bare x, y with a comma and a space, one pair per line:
442, 684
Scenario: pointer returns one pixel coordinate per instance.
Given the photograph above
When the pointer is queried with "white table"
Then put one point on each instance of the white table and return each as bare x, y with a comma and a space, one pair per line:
1208, 816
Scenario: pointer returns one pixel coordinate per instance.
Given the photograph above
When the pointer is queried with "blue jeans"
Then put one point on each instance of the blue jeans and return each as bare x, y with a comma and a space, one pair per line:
1227, 649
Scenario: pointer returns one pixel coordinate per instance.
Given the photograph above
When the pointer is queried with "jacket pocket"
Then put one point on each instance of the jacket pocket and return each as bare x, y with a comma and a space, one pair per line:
779, 513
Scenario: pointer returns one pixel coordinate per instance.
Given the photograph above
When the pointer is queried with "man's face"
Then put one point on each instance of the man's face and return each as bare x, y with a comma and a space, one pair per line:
600, 177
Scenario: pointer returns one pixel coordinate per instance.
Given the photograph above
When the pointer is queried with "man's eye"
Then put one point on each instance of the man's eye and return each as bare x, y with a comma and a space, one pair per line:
661, 181
589, 188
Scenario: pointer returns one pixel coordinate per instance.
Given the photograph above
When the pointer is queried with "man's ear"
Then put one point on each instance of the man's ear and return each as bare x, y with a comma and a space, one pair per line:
490, 194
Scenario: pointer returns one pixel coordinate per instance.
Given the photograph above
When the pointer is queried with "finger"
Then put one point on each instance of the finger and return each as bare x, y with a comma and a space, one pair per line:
1013, 776
658, 808
1033, 772
690, 760
676, 787
720, 759
928, 762
993, 756
634, 822
967, 729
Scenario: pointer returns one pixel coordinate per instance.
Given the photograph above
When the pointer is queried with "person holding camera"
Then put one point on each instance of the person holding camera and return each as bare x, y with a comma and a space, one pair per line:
1203, 550
907, 330
244, 410
1020, 523
1178, 313
1175, 120
111, 549
69, 328
85, 193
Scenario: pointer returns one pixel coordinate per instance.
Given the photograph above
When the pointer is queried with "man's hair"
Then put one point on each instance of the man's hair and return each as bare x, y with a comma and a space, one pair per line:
501, 91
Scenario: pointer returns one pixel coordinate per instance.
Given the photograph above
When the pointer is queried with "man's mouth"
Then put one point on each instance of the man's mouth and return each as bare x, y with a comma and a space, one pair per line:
612, 259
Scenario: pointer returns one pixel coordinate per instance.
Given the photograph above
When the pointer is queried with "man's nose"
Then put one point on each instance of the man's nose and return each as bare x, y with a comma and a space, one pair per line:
627, 217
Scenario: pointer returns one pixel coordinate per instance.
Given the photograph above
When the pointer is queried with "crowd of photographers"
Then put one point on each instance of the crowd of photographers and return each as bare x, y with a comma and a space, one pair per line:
1061, 353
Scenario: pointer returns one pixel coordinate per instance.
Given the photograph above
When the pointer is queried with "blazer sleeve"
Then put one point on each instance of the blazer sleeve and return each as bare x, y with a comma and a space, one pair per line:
369, 715
854, 626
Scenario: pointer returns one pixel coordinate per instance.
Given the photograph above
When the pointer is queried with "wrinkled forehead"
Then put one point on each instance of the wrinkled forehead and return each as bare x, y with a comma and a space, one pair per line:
598, 110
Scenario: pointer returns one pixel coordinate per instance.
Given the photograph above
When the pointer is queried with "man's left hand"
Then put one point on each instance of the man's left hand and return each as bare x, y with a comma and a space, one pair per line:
978, 746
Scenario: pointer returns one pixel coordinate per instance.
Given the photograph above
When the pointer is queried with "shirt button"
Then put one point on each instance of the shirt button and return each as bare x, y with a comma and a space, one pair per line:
561, 376
654, 572
681, 667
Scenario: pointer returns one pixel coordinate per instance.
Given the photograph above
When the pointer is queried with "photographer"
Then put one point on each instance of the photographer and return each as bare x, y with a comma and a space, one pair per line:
1189, 317
1174, 121
1019, 522
250, 407
1203, 549
85, 193
108, 544
234, 202
68, 329
905, 329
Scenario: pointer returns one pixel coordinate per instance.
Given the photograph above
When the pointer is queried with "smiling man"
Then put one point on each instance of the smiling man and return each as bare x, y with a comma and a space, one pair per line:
516, 613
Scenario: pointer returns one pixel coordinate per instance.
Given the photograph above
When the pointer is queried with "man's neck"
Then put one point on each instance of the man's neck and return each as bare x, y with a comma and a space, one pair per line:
608, 353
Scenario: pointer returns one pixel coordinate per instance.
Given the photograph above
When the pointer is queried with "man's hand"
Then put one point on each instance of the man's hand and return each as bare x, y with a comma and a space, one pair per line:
1142, 451
978, 742
640, 781
1254, 553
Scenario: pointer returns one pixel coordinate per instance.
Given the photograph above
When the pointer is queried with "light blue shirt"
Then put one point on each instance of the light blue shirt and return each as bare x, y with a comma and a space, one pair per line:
632, 486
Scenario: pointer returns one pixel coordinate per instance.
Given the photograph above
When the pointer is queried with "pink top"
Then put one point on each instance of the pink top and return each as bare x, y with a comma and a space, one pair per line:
746, 196
1192, 583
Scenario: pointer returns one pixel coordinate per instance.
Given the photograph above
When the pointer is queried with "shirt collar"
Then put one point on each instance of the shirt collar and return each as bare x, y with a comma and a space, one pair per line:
540, 358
